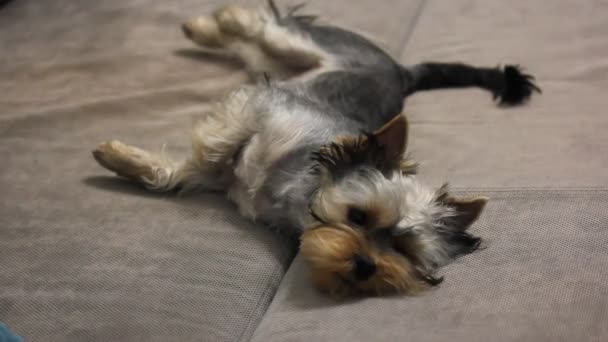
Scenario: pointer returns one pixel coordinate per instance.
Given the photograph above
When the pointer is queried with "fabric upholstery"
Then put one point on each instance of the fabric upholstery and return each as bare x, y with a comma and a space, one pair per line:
85, 256
543, 276
558, 140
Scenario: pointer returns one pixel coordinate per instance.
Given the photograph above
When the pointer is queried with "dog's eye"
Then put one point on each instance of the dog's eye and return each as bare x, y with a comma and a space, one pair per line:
357, 216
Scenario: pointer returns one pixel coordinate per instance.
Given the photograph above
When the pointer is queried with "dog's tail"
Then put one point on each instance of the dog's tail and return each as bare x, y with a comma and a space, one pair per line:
510, 85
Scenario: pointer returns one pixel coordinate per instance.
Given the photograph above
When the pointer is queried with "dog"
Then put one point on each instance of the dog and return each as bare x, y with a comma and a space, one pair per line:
318, 146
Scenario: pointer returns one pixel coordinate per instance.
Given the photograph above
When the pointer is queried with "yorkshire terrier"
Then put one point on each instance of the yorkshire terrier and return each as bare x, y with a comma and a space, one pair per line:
317, 145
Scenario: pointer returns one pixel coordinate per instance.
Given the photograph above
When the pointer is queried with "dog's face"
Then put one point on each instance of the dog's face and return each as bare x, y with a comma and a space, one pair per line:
381, 230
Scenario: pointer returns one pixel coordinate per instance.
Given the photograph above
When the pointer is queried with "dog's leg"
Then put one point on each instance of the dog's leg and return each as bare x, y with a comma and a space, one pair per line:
277, 36
215, 141
155, 172
261, 39
510, 85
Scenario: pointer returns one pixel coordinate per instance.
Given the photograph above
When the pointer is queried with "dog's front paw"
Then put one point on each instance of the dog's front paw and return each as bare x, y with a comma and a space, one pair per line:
518, 86
126, 161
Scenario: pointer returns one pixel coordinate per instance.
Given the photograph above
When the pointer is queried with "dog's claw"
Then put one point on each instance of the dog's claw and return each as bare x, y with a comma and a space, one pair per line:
518, 86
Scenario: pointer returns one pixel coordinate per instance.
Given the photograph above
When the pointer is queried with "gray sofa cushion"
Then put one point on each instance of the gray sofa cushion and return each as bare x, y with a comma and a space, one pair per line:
85, 256
544, 275
542, 278
556, 141
88, 257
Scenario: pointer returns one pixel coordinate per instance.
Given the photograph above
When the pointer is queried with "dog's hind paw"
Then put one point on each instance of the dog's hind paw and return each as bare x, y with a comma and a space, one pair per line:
238, 21
518, 86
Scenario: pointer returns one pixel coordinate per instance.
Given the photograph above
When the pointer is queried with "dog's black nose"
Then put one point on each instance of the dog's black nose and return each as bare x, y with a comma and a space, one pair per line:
187, 31
363, 268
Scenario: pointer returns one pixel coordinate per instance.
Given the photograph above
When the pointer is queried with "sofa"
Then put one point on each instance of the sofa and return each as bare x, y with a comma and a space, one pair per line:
85, 256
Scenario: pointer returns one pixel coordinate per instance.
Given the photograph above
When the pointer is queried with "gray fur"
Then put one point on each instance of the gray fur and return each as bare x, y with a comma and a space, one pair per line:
324, 83
365, 93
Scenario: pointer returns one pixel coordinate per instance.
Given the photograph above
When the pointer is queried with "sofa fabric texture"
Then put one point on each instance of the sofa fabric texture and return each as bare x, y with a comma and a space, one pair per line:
85, 256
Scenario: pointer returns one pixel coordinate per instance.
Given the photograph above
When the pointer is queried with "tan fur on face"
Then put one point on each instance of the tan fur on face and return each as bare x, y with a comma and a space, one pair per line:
329, 251
410, 246
395, 274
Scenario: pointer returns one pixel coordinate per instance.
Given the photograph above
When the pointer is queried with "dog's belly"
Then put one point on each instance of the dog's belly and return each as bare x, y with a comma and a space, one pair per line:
263, 183
252, 169
288, 126
247, 178
277, 196
240, 195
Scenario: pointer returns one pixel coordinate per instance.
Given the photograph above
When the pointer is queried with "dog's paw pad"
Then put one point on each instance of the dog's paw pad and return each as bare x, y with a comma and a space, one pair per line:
125, 160
239, 21
205, 32
104, 153
518, 86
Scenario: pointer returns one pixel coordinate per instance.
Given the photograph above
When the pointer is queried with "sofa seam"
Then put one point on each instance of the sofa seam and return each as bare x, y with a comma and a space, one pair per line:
257, 305
411, 28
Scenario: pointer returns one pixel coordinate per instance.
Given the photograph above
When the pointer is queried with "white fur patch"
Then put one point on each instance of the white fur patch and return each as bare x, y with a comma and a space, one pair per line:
281, 132
420, 216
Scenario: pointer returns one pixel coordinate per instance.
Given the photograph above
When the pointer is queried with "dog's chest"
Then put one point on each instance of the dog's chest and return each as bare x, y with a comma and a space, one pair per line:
279, 135
249, 176
262, 179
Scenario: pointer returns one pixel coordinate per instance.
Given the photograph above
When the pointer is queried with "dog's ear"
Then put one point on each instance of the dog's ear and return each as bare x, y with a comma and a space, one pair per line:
449, 239
465, 210
383, 149
392, 137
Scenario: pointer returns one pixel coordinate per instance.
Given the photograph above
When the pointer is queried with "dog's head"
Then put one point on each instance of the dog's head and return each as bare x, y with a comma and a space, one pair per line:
381, 230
